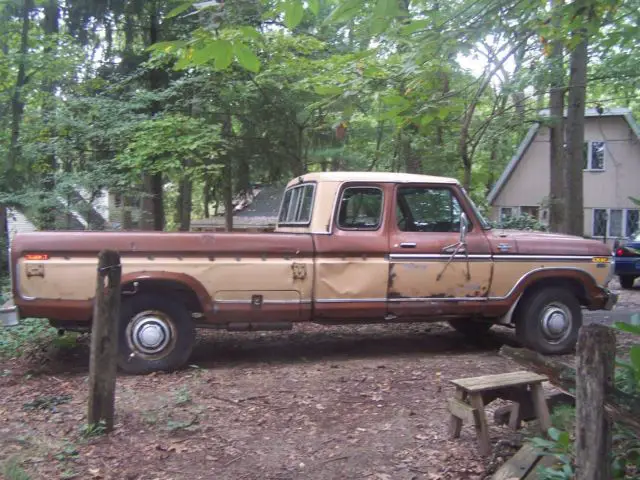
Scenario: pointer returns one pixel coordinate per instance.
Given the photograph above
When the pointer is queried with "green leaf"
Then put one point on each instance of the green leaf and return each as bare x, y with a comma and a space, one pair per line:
328, 89
250, 32
293, 13
414, 26
246, 57
345, 11
179, 9
204, 55
627, 327
223, 55
634, 355
314, 6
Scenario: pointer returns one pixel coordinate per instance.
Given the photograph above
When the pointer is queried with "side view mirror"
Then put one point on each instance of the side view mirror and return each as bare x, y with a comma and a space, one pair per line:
464, 226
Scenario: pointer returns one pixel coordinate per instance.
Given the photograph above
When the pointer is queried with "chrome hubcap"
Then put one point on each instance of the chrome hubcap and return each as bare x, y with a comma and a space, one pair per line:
150, 333
556, 322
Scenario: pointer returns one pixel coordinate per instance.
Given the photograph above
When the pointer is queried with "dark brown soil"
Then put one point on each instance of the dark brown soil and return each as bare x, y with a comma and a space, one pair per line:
314, 403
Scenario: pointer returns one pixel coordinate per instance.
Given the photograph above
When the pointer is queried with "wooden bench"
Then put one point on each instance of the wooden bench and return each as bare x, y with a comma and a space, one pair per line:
472, 394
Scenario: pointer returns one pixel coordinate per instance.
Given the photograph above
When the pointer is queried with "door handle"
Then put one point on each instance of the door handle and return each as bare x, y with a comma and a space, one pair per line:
408, 245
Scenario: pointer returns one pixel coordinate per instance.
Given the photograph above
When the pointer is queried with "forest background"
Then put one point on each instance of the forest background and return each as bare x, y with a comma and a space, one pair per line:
179, 107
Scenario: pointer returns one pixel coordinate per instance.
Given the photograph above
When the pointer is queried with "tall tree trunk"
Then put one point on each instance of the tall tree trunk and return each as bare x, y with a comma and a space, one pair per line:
17, 102
47, 214
153, 204
557, 157
227, 176
184, 202
575, 131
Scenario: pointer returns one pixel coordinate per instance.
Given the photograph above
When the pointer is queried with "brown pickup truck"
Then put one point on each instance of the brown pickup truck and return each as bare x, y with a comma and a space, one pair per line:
348, 248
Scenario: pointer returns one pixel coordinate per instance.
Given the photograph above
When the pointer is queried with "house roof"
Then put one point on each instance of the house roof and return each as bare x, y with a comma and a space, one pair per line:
526, 142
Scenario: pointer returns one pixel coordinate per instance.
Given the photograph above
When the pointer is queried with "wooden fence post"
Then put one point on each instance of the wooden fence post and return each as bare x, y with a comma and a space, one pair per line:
104, 341
594, 379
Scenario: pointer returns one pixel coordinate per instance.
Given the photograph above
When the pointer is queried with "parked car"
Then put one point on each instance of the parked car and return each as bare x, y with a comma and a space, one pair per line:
348, 248
627, 261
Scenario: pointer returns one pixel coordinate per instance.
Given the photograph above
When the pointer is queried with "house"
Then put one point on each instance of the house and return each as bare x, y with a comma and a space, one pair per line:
78, 212
611, 176
255, 211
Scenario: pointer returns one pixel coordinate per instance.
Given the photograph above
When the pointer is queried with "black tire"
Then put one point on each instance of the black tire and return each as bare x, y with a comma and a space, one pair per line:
626, 281
470, 328
170, 334
549, 306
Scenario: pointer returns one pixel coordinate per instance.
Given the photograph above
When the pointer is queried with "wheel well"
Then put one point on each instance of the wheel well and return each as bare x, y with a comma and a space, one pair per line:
567, 283
176, 290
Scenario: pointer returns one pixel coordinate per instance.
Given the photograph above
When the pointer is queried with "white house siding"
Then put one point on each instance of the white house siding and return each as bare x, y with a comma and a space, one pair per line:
528, 184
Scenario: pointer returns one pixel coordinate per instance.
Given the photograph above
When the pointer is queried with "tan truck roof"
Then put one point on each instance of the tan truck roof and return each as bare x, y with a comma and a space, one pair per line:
392, 177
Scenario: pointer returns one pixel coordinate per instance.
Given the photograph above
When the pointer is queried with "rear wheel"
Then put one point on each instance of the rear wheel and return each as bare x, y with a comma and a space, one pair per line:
626, 281
548, 320
155, 333
469, 328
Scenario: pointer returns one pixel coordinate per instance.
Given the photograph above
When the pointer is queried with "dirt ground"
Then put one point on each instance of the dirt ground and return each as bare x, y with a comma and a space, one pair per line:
314, 403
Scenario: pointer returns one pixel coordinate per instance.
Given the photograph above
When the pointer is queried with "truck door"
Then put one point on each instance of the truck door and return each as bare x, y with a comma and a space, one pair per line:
425, 276
352, 262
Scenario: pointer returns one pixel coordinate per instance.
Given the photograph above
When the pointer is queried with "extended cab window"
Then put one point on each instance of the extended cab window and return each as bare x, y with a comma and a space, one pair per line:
360, 208
297, 204
427, 209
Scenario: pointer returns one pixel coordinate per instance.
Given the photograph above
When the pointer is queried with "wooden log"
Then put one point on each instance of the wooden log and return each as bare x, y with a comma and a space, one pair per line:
621, 407
104, 341
596, 361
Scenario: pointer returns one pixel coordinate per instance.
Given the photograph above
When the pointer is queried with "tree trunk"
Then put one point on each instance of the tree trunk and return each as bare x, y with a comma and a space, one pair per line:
558, 162
227, 176
17, 103
575, 135
185, 201
47, 214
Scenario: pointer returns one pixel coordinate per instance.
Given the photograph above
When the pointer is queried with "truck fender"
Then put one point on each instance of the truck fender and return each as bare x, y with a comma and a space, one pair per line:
168, 278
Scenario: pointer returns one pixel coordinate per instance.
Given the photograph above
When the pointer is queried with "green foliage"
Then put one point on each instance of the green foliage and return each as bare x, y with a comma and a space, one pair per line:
626, 445
30, 331
12, 470
93, 430
521, 222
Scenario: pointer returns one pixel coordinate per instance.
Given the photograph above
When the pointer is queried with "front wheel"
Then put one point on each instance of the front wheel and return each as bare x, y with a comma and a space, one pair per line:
626, 281
548, 321
155, 333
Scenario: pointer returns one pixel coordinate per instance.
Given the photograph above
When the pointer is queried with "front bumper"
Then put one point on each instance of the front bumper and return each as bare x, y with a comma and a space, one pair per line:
9, 315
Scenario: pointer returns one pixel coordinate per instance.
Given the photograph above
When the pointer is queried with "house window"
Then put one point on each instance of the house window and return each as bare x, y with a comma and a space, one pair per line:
360, 208
296, 205
593, 155
505, 213
615, 222
531, 211
633, 223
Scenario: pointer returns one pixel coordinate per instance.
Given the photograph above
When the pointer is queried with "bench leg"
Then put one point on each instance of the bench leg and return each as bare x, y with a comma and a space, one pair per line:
455, 424
482, 430
541, 408
514, 416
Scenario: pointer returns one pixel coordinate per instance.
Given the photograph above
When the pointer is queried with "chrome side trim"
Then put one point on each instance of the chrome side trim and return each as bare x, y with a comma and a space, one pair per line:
436, 256
438, 299
547, 258
264, 302
350, 300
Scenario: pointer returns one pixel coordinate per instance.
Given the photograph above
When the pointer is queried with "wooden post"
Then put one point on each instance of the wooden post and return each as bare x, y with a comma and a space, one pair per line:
594, 379
104, 341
